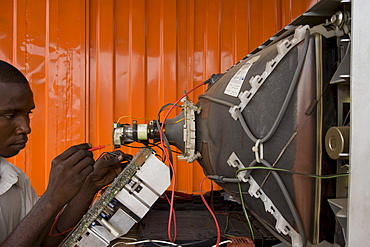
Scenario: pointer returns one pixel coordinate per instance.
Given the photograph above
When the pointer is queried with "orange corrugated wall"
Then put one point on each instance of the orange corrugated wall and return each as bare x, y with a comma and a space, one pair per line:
90, 62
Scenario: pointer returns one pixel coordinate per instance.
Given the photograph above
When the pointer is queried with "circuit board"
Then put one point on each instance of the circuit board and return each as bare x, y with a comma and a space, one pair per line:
117, 185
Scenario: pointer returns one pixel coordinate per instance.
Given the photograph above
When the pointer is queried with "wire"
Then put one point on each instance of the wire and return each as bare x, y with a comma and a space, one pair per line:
210, 210
165, 106
280, 155
272, 131
173, 211
119, 119
345, 119
245, 126
145, 241
147, 144
215, 100
233, 215
162, 108
196, 242
178, 121
245, 211
285, 103
162, 139
288, 200
285, 147
223, 242
271, 229
54, 226
164, 242
291, 88
330, 176
127, 238
227, 226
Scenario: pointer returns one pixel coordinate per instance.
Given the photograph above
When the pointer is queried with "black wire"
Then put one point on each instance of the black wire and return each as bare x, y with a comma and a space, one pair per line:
292, 172
149, 145
164, 107
101, 155
164, 137
168, 147
162, 159
288, 200
126, 145
137, 141
274, 128
126, 157
271, 229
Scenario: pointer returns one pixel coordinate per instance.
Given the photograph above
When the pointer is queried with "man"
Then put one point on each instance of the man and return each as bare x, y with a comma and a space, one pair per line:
74, 178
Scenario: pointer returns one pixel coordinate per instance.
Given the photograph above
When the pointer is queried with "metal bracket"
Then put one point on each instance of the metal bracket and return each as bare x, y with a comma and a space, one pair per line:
189, 131
234, 161
283, 47
282, 226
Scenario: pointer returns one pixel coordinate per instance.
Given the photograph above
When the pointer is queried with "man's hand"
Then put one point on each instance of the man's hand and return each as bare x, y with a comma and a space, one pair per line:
107, 168
97, 176
68, 173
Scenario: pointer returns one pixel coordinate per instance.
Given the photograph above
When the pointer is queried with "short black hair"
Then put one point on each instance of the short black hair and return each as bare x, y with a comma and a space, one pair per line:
10, 74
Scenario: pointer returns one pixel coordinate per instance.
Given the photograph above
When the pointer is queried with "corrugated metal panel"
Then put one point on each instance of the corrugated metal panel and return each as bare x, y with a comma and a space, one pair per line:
90, 62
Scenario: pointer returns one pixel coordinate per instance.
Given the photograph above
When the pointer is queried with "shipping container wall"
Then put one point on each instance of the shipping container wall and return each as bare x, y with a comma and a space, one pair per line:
91, 62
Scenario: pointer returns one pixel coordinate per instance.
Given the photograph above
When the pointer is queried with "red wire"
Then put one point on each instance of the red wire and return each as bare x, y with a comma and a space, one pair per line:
173, 212
54, 223
172, 168
210, 210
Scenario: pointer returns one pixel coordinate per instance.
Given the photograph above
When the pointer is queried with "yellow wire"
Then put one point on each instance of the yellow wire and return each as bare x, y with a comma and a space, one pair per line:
178, 121
119, 119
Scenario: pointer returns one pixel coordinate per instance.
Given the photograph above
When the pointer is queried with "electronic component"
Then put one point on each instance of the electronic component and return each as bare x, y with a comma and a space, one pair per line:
126, 133
124, 203
184, 123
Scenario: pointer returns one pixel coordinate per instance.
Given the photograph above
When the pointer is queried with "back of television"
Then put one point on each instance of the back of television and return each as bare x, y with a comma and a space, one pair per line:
233, 129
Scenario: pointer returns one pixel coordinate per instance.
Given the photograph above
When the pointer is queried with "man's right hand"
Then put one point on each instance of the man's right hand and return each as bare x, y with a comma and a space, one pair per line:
68, 173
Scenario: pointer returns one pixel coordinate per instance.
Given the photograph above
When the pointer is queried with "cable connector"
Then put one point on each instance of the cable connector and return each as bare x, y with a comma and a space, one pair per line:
216, 178
213, 79
223, 179
240, 242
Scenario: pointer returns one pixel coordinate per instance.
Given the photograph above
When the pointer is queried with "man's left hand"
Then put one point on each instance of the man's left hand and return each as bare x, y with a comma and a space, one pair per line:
106, 168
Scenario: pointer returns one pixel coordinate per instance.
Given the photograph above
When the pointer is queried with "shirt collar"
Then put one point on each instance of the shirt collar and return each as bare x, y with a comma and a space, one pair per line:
8, 176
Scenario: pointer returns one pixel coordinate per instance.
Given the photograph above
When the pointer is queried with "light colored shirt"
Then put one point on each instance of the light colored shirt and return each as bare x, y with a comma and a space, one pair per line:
17, 197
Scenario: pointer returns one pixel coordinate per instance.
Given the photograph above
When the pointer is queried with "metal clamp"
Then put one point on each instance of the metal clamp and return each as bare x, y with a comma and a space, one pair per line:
282, 225
283, 47
234, 161
189, 131
258, 150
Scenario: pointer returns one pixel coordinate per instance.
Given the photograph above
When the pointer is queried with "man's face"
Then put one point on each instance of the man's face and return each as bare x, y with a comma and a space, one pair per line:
16, 104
